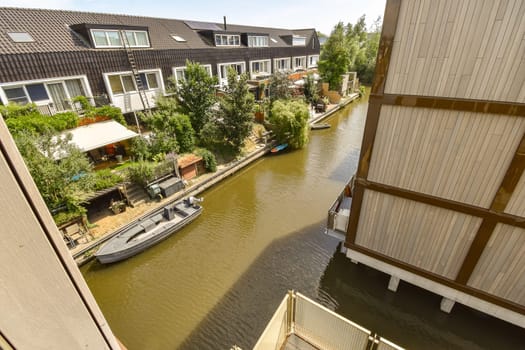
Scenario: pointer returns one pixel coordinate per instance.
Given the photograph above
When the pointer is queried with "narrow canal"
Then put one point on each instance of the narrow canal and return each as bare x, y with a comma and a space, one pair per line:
217, 282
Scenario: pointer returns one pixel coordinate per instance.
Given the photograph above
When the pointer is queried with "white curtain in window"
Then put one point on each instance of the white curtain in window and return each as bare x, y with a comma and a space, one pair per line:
59, 96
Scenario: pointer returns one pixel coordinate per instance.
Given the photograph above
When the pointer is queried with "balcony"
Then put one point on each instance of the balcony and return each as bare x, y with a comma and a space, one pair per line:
302, 324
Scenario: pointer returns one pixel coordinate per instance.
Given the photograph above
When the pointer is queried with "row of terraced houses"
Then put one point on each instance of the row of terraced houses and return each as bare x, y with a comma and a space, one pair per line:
47, 57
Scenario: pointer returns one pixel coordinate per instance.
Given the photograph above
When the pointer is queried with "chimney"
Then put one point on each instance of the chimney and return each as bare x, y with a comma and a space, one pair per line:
224, 17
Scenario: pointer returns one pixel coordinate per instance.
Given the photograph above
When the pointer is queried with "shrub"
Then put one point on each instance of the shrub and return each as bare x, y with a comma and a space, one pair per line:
210, 162
141, 172
105, 179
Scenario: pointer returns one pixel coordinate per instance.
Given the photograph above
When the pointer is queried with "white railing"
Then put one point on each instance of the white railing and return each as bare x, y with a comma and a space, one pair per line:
318, 326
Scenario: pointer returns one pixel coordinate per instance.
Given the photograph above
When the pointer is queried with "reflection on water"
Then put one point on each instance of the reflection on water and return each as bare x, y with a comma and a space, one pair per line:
218, 281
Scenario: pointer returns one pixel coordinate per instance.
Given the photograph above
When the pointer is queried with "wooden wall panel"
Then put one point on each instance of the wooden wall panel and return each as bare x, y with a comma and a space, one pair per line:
516, 205
460, 156
438, 50
501, 269
431, 238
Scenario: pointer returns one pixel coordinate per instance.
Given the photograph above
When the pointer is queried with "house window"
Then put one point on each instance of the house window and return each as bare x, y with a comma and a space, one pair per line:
152, 80
17, 95
282, 64
122, 83
180, 72
227, 40
125, 83
59, 92
298, 40
299, 63
111, 38
260, 68
137, 38
258, 41
312, 60
223, 70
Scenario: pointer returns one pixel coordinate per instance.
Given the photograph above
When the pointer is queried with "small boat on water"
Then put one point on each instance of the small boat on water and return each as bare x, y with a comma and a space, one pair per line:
279, 148
149, 230
319, 126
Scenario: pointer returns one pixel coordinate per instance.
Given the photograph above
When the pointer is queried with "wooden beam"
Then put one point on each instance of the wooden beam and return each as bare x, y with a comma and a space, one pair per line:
439, 279
468, 209
384, 51
447, 103
499, 203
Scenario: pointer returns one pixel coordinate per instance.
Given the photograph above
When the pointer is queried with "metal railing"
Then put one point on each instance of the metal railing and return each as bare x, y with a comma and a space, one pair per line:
317, 326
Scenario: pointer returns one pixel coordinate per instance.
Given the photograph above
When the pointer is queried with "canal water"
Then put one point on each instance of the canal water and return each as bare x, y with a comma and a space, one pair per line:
217, 282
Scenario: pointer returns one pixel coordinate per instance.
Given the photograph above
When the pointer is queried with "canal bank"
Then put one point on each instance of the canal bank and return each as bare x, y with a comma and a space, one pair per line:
84, 252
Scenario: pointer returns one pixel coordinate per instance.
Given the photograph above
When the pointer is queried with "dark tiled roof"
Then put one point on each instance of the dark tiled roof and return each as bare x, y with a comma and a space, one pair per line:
51, 32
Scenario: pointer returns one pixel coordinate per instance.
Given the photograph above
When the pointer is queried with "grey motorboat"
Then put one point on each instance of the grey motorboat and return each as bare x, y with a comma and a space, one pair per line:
149, 230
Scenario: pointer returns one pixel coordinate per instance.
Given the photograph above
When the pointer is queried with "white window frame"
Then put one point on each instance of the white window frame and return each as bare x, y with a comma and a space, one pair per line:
310, 65
83, 79
254, 75
224, 80
183, 68
98, 46
298, 37
275, 60
144, 71
135, 36
255, 39
228, 39
302, 66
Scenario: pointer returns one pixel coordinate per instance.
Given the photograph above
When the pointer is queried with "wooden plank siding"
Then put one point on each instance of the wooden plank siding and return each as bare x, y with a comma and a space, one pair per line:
516, 205
427, 237
462, 49
459, 156
440, 189
501, 268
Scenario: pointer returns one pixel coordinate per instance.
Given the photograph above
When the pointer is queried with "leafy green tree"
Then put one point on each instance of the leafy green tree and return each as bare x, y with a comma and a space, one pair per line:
289, 120
362, 48
235, 111
196, 95
171, 131
62, 181
334, 60
279, 86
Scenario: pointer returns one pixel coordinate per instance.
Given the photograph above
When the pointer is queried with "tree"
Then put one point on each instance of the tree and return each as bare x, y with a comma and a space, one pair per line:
362, 48
196, 95
171, 131
289, 121
279, 87
334, 60
235, 111
61, 182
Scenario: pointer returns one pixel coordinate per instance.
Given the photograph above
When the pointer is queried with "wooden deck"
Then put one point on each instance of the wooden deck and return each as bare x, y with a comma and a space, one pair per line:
293, 342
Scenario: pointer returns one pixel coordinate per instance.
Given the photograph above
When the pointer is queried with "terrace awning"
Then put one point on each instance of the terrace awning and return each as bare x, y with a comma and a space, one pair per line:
97, 135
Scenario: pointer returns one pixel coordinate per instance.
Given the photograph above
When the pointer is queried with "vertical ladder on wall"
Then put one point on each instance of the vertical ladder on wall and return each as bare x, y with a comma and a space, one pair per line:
135, 72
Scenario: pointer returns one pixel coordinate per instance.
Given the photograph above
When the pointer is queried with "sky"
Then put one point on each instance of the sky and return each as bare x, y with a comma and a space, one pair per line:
293, 14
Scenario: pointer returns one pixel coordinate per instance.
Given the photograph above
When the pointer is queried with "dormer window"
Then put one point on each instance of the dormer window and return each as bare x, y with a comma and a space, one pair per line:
137, 38
227, 40
257, 41
111, 38
298, 40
